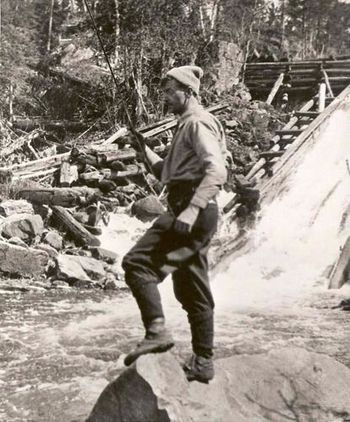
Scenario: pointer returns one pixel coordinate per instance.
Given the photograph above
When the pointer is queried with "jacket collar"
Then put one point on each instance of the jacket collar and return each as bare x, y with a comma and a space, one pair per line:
195, 108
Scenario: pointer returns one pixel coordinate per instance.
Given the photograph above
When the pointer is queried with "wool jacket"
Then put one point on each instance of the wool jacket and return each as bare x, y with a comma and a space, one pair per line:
197, 154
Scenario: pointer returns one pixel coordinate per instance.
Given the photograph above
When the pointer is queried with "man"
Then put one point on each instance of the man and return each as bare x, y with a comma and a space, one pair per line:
178, 241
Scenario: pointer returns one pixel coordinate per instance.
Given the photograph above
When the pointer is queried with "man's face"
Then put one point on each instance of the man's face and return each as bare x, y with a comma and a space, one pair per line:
174, 96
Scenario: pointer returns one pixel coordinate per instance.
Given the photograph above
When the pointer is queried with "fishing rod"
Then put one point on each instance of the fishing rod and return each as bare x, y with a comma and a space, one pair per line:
139, 138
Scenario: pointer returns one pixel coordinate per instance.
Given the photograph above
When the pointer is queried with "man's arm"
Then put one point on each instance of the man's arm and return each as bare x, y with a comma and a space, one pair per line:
154, 161
205, 143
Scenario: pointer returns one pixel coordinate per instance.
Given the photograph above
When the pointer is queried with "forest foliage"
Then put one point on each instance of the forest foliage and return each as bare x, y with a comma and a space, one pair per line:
142, 39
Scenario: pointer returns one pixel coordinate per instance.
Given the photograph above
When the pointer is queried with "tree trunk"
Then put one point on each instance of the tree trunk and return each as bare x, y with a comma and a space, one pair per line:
50, 26
77, 230
67, 197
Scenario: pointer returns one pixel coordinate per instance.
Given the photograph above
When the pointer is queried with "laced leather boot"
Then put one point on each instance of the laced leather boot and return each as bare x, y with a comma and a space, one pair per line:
157, 340
199, 368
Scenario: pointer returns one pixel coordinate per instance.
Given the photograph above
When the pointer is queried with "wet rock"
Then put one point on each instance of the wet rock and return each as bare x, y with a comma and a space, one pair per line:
15, 206
146, 209
104, 254
285, 384
24, 226
54, 239
60, 284
23, 261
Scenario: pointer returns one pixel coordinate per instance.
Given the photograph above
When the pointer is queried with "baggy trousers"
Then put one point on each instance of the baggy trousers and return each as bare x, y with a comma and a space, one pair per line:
162, 251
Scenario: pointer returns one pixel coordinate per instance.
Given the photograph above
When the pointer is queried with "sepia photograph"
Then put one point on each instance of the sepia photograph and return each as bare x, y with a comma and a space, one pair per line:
174, 210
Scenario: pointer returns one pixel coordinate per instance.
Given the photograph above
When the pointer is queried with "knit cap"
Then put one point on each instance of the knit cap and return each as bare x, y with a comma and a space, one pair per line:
188, 76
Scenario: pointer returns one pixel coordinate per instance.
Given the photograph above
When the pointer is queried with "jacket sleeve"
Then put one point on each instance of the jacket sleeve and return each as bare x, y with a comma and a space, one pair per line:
205, 139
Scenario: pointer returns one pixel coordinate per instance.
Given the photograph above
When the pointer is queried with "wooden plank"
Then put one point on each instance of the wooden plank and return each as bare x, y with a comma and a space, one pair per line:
275, 89
311, 114
287, 132
340, 272
271, 154
329, 88
77, 230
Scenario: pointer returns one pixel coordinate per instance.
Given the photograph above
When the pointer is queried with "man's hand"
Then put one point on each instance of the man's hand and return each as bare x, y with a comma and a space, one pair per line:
184, 222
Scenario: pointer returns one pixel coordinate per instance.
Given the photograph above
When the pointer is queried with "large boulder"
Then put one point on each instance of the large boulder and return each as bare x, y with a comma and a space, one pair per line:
82, 268
24, 226
146, 209
282, 385
16, 260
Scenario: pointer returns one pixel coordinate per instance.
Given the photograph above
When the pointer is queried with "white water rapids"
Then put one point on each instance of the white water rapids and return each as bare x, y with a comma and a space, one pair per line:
59, 351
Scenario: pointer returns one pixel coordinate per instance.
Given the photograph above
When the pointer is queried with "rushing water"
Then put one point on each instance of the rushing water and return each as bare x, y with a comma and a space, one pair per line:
58, 349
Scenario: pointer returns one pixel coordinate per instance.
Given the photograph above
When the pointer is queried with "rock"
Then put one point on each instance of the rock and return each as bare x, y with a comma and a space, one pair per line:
93, 268
282, 385
60, 284
17, 241
23, 261
70, 267
15, 206
23, 226
146, 209
48, 249
104, 255
54, 239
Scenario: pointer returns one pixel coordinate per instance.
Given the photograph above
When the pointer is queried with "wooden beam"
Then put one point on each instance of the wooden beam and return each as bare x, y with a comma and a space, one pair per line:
77, 230
322, 97
340, 272
275, 89
310, 114
288, 132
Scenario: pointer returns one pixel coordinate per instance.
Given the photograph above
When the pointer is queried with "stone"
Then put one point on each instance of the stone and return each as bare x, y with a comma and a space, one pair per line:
93, 268
147, 209
17, 241
54, 239
23, 226
16, 259
48, 249
15, 206
60, 284
104, 254
281, 385
71, 268
68, 268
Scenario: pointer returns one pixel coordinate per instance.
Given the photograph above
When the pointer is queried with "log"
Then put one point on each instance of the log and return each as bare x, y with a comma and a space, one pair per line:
288, 132
132, 170
67, 197
31, 124
326, 79
270, 154
310, 114
340, 272
68, 174
77, 230
275, 89
322, 97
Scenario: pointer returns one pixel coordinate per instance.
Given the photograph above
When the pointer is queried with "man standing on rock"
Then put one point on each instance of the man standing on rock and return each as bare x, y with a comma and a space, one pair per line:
178, 241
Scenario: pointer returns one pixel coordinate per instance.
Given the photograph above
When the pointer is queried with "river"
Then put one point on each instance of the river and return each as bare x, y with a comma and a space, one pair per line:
59, 348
